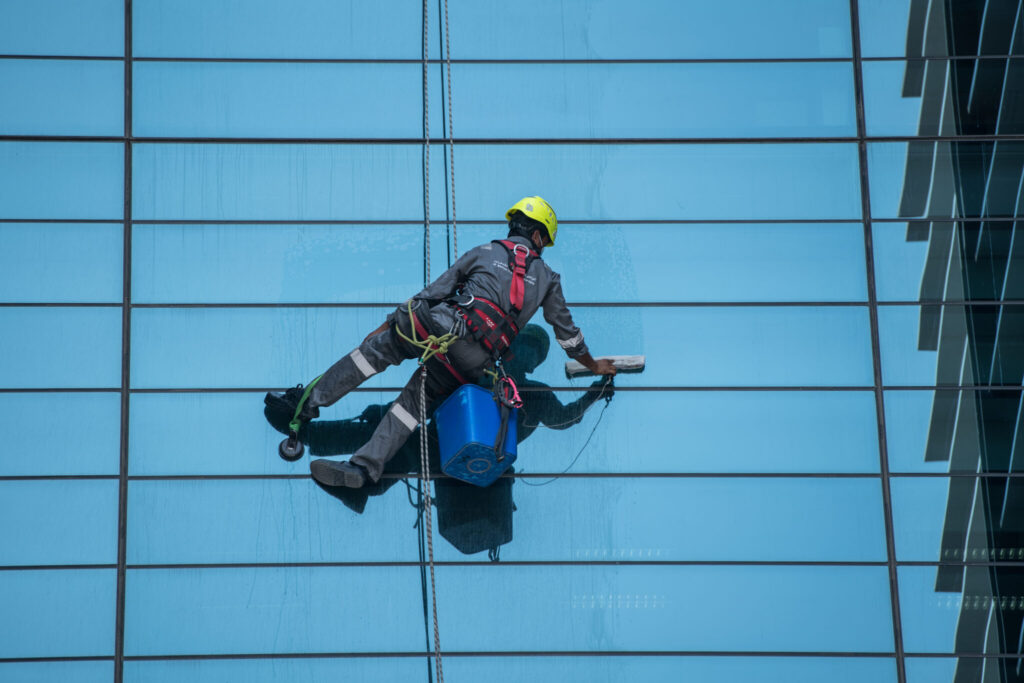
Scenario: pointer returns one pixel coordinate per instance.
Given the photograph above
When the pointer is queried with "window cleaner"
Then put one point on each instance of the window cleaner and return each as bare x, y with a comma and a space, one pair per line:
459, 327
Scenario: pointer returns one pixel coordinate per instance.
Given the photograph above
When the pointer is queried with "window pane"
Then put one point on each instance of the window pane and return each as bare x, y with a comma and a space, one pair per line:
61, 180
54, 97
951, 345
276, 263
977, 614
281, 610
694, 182
58, 522
185, 522
61, 262
796, 262
302, 182
50, 672
946, 179
290, 182
266, 28
890, 108
63, 27
278, 100
898, 28
949, 261
651, 669
60, 347
71, 433
734, 346
589, 29
655, 100
953, 431
58, 613
977, 519
760, 431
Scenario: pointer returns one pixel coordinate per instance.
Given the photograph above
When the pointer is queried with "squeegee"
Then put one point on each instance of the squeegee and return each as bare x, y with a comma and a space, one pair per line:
622, 364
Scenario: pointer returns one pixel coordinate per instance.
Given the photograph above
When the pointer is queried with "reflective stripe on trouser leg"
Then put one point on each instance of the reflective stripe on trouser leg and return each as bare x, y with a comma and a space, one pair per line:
394, 430
372, 356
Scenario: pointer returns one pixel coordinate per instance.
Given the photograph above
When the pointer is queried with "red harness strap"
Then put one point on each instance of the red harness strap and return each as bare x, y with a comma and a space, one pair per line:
519, 260
491, 326
423, 334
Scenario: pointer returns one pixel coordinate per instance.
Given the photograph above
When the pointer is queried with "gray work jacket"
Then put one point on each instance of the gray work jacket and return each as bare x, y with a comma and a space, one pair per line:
483, 272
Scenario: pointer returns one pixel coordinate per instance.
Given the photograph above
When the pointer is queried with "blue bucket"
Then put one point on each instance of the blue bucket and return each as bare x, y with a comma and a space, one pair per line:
467, 425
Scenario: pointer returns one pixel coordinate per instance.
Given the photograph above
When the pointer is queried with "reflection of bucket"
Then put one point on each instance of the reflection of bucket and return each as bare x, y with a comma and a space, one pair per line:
467, 425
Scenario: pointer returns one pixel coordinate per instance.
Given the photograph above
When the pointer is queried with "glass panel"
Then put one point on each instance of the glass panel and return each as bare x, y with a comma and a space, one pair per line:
903, 260
656, 100
290, 182
977, 611
945, 179
63, 27
954, 431
302, 182
188, 522
61, 262
805, 431
796, 262
636, 608
278, 100
56, 97
267, 28
75, 433
599, 29
813, 181
54, 672
930, 669
651, 669
912, 28
891, 109
275, 263
58, 522
60, 347
62, 180
949, 261
58, 613
735, 346
256, 264
951, 345
951, 519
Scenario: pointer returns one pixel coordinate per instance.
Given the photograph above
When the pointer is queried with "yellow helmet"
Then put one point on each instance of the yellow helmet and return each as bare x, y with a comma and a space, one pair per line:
540, 211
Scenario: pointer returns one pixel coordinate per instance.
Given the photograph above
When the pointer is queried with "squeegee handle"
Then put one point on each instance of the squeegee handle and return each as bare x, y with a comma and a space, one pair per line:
628, 364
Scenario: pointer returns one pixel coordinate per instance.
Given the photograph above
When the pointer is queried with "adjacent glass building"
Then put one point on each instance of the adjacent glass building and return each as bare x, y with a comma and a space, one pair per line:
802, 212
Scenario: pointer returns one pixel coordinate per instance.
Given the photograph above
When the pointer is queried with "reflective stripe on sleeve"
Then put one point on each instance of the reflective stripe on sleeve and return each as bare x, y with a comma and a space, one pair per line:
364, 365
569, 343
403, 415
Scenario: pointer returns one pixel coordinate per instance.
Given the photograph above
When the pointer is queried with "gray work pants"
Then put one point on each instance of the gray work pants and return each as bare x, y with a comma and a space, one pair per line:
387, 348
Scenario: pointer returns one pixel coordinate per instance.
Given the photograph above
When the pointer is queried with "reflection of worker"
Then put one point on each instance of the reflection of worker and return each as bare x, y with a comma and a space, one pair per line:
484, 299
540, 404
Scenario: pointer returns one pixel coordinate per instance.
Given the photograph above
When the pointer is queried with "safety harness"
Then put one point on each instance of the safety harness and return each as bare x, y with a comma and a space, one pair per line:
492, 327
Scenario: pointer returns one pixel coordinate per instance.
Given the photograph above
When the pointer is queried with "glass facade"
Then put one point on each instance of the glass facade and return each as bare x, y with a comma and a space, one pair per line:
802, 212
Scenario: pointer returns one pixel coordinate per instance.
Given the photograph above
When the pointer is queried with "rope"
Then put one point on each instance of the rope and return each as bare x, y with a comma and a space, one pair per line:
427, 517
432, 344
451, 131
428, 525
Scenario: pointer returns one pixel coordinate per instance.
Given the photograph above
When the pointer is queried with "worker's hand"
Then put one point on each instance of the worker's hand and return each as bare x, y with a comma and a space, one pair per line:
605, 367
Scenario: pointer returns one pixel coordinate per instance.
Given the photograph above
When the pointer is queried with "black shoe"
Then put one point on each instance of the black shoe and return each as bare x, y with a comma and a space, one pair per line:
334, 473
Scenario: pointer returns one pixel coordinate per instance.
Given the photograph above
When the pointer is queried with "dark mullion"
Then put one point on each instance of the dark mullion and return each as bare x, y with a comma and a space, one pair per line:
122, 502
883, 451
739, 140
356, 60
486, 222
